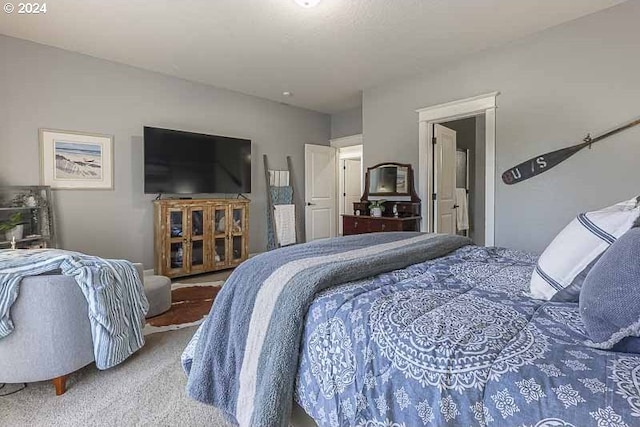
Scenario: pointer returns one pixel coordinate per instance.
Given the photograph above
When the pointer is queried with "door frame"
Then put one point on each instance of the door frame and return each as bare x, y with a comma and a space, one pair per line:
460, 109
348, 147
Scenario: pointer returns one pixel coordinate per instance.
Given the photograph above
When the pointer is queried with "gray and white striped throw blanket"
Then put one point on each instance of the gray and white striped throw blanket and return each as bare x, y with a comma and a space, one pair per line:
244, 357
113, 289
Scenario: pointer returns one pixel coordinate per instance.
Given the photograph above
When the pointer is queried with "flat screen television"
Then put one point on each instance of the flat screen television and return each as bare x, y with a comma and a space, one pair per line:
177, 162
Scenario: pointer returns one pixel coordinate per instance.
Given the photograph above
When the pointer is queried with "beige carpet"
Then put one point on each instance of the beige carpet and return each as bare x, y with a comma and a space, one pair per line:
145, 390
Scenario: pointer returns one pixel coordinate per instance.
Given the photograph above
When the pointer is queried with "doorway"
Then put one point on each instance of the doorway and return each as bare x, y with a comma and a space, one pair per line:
459, 172
350, 174
333, 181
483, 108
350, 180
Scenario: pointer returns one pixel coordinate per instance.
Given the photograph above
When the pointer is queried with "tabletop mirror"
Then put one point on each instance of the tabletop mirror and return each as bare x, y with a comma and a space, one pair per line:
390, 180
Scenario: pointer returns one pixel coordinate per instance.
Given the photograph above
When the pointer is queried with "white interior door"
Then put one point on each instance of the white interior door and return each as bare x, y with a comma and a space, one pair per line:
352, 183
320, 191
350, 186
445, 179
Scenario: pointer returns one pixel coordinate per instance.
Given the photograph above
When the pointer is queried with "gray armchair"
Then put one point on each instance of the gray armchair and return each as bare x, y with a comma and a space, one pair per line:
52, 333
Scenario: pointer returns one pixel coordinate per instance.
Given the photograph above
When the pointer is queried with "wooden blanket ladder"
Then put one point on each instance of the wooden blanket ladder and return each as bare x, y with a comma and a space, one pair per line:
280, 190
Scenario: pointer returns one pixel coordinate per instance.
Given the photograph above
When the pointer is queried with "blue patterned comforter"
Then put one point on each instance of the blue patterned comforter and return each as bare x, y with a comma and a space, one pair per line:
454, 342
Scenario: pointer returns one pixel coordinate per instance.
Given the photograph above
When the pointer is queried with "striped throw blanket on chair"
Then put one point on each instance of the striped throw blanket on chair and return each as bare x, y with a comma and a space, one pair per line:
113, 289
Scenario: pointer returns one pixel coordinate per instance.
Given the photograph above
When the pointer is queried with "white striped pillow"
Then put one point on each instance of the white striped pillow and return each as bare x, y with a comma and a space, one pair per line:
582, 241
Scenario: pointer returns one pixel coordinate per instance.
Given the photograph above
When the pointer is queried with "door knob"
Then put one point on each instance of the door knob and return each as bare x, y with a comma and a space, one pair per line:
310, 204
455, 206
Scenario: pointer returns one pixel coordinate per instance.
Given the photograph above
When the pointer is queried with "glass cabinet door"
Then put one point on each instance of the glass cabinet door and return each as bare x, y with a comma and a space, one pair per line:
177, 239
196, 239
200, 237
220, 249
238, 217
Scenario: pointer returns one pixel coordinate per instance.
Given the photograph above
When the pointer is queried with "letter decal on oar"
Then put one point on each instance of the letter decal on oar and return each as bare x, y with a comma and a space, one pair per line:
539, 164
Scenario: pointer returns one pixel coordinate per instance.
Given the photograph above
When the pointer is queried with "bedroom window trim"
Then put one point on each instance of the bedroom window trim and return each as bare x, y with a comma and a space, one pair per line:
468, 107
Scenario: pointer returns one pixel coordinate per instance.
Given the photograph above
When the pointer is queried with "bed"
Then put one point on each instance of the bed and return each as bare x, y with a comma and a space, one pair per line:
449, 338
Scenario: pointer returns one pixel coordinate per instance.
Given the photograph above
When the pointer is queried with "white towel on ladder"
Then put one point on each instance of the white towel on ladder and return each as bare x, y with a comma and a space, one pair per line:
462, 211
278, 178
285, 219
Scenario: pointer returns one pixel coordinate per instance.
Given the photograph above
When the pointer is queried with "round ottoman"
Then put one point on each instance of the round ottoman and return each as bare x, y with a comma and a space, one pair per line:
158, 292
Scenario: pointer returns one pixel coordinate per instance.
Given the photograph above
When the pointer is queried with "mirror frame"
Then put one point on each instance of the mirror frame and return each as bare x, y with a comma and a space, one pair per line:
410, 177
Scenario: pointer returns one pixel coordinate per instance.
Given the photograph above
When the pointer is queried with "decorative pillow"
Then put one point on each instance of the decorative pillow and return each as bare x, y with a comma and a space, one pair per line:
572, 292
628, 345
610, 297
578, 245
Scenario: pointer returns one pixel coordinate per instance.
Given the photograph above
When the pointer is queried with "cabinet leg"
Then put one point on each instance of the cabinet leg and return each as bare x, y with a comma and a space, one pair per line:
60, 383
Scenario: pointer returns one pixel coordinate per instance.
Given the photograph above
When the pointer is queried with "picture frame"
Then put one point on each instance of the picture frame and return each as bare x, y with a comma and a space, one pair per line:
76, 160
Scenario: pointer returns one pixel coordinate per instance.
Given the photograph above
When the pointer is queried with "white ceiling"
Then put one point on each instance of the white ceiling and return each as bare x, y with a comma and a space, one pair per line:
325, 55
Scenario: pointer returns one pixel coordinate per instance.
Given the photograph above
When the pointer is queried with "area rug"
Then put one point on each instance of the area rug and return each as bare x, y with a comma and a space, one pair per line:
190, 304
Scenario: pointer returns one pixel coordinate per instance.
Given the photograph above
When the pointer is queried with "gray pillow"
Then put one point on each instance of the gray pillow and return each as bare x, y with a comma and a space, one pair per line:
628, 345
610, 296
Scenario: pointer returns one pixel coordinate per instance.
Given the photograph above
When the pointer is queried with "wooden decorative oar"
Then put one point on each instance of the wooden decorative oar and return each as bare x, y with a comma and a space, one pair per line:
544, 162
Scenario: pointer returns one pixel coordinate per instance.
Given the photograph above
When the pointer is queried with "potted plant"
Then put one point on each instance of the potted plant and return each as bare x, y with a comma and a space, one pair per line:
13, 227
376, 207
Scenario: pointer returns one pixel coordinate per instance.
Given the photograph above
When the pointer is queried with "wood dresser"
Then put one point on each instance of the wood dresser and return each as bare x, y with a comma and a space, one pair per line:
200, 235
359, 224
382, 181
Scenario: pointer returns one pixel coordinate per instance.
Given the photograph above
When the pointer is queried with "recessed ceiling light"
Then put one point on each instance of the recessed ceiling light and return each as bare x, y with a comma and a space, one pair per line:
287, 93
308, 3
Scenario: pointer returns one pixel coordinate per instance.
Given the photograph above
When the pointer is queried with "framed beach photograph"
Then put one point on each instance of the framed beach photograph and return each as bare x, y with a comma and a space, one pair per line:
76, 160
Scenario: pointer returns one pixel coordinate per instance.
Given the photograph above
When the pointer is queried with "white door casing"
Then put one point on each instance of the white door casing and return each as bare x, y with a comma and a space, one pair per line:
320, 191
445, 179
481, 104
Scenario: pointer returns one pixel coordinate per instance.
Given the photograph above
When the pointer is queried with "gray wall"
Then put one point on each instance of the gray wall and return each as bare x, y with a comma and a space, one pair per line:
43, 87
556, 86
346, 123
